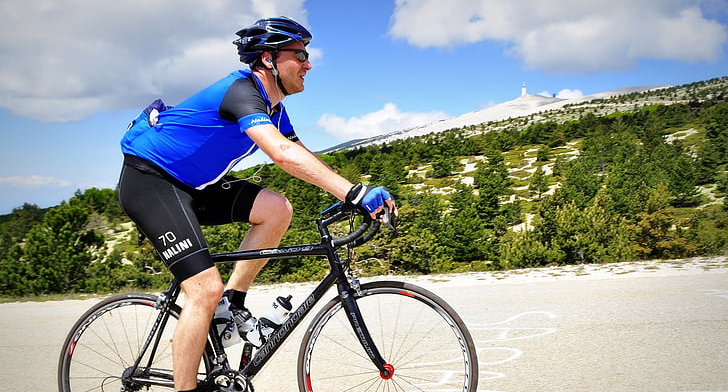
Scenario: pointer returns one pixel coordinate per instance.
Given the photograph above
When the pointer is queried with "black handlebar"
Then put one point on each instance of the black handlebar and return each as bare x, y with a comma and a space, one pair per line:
364, 232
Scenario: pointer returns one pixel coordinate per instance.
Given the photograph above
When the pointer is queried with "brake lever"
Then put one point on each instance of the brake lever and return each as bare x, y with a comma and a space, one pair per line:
389, 220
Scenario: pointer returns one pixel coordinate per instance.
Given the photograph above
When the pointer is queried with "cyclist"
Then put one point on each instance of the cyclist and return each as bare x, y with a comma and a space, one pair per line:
174, 176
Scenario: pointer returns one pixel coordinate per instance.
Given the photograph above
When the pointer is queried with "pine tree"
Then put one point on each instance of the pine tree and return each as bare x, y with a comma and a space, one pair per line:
492, 182
462, 230
657, 230
58, 252
538, 184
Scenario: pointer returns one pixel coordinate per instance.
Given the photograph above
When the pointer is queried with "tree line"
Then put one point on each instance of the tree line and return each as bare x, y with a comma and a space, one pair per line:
597, 189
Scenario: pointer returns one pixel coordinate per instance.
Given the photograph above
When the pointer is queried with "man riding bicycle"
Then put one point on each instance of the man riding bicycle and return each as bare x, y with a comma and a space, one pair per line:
174, 176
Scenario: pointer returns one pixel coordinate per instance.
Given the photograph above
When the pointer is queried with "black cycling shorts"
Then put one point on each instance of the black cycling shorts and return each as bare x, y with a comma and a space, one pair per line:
170, 213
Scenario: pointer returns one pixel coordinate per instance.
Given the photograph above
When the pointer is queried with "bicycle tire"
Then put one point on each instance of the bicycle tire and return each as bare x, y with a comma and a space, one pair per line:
106, 340
418, 333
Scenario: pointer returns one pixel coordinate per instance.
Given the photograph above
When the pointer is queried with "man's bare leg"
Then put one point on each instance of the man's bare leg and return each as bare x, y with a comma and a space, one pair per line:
202, 292
270, 217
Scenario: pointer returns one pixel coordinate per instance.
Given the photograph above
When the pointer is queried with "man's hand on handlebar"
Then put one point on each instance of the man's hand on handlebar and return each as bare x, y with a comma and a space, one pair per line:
373, 200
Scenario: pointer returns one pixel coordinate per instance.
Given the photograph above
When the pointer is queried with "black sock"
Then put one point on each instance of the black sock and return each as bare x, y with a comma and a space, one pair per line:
201, 387
236, 298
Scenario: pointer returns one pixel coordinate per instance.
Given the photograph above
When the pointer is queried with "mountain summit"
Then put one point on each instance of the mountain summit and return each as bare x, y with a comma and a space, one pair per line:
519, 107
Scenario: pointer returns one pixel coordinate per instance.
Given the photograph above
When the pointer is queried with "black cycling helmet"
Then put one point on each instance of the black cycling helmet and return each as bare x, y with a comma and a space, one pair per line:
268, 35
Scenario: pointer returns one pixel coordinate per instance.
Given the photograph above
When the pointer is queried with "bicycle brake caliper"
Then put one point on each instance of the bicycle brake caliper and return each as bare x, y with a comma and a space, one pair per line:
356, 286
353, 272
161, 300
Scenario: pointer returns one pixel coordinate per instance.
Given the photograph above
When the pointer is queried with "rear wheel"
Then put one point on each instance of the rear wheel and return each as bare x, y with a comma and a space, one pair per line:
102, 346
424, 341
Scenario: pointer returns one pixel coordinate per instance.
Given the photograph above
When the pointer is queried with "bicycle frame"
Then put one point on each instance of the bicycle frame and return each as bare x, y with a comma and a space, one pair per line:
336, 276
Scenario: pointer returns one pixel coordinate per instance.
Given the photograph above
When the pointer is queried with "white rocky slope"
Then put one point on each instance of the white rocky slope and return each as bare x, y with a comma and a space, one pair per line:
519, 107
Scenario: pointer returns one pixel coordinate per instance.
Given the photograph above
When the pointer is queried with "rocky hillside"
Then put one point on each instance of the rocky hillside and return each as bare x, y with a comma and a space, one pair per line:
538, 108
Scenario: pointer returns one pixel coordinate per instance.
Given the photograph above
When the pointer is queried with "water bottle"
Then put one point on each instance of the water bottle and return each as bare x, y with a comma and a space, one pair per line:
270, 321
225, 324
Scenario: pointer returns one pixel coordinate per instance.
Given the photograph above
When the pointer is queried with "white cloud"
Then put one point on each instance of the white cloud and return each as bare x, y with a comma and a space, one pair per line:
34, 182
64, 60
386, 120
569, 94
563, 94
569, 35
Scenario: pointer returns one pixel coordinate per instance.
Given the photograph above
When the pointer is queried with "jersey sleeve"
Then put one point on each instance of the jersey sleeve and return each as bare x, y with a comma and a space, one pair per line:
243, 104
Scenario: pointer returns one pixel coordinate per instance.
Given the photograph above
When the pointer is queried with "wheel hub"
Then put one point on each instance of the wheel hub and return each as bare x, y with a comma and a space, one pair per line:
388, 371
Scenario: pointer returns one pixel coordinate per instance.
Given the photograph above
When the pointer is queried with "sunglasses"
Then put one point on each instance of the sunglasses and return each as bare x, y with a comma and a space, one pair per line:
301, 54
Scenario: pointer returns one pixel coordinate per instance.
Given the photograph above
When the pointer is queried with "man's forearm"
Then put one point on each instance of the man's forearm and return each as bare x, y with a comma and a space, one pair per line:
301, 163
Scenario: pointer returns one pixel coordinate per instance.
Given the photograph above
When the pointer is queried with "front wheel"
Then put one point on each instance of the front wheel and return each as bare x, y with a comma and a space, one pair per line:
419, 335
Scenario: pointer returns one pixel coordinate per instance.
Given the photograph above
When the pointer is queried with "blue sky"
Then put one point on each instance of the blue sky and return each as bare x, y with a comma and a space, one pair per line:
74, 73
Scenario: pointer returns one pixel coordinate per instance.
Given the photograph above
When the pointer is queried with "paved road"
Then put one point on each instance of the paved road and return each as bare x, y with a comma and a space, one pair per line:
644, 334
627, 332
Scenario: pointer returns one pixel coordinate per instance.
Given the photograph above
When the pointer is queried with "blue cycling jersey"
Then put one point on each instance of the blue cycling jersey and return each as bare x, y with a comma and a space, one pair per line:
202, 138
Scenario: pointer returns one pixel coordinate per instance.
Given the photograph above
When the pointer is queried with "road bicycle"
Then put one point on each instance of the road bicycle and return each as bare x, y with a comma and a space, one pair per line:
374, 336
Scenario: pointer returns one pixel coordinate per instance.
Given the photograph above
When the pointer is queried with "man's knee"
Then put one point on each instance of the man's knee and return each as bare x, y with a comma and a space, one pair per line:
205, 287
271, 207
283, 208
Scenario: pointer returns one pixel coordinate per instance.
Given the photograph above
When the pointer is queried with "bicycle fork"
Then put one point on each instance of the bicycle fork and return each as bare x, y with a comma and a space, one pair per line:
386, 370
